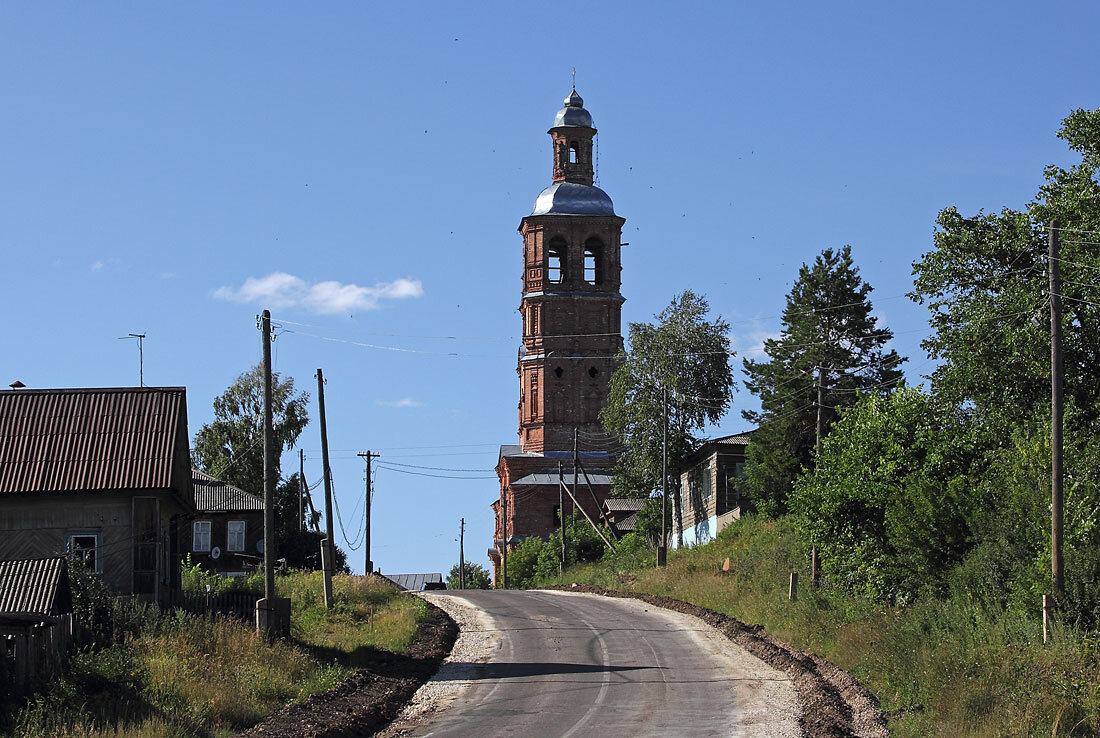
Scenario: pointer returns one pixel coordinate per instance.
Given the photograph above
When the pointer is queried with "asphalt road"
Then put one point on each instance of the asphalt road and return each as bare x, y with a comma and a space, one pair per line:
536, 664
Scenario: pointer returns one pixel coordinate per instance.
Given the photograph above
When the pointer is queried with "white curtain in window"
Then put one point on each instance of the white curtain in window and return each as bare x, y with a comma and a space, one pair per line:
235, 536
201, 537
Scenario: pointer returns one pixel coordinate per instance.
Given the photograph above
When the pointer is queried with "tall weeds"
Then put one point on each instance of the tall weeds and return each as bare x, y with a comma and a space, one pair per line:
180, 676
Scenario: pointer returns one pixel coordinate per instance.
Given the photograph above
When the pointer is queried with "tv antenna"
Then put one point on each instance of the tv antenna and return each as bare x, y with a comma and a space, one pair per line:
141, 354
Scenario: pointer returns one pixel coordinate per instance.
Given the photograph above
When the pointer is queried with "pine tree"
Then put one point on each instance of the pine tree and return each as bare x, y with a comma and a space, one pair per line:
828, 330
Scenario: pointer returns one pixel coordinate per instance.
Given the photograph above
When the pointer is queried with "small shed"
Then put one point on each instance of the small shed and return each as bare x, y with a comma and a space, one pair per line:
620, 514
36, 621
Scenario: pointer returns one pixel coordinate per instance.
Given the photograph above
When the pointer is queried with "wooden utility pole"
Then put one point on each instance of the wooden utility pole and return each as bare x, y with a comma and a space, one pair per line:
662, 547
461, 553
369, 563
561, 518
814, 573
301, 489
269, 465
327, 558
1057, 378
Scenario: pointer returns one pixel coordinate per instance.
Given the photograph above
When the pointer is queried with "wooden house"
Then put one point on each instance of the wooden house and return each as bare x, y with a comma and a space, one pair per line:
100, 474
227, 533
709, 498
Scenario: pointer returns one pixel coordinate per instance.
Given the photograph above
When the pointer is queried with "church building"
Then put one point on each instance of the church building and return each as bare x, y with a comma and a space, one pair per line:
571, 313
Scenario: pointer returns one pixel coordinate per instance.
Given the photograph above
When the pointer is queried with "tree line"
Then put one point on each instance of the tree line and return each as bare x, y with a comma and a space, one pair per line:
938, 488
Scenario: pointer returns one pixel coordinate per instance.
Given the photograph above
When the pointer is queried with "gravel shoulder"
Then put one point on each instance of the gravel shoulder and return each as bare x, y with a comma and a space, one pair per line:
477, 643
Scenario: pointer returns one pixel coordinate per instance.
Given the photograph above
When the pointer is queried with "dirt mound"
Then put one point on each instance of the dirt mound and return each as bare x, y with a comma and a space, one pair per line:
834, 705
371, 697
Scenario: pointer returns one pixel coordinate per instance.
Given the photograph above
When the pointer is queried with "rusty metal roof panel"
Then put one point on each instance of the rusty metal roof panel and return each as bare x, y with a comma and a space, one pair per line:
71, 440
213, 495
35, 586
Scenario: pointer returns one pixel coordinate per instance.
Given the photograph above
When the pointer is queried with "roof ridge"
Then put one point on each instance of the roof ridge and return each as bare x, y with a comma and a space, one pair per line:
87, 390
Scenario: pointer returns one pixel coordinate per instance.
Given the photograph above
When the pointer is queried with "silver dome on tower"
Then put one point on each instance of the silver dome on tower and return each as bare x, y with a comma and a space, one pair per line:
570, 198
573, 115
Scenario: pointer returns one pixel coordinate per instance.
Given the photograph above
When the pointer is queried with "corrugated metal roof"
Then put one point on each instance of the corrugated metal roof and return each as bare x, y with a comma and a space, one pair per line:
617, 504
38, 586
737, 439
596, 478
67, 440
214, 495
413, 582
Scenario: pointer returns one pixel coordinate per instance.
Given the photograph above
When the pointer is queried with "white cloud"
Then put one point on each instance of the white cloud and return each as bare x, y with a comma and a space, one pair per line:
749, 342
96, 266
280, 290
403, 402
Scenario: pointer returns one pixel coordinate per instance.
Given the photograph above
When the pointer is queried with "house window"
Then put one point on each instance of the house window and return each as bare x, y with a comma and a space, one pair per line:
200, 539
84, 546
234, 539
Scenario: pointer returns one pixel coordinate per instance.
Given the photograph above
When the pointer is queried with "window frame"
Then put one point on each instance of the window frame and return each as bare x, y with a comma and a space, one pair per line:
194, 536
229, 535
97, 552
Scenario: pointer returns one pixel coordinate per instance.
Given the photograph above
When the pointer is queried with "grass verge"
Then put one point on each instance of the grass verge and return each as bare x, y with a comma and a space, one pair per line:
939, 667
188, 677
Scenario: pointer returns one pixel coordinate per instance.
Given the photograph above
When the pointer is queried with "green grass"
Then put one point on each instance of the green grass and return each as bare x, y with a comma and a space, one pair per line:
940, 668
187, 677
367, 612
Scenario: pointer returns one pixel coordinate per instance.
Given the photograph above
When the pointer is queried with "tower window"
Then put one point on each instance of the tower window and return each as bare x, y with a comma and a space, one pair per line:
555, 261
593, 256
558, 371
593, 372
573, 153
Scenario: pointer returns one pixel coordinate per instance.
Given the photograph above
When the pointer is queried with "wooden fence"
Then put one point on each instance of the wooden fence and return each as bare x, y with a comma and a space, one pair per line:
241, 605
34, 651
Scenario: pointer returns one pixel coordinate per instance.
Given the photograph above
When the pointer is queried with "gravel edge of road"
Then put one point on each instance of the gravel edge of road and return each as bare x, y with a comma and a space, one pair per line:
834, 703
372, 696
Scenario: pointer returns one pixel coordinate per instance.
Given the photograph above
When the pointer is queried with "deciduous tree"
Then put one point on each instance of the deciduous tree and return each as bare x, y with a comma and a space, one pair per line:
688, 354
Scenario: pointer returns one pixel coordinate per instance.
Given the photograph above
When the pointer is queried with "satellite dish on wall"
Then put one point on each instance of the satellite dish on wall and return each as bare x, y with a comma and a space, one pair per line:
215, 552
260, 545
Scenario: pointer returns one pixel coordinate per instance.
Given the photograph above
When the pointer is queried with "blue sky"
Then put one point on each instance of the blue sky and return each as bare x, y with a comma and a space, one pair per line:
159, 164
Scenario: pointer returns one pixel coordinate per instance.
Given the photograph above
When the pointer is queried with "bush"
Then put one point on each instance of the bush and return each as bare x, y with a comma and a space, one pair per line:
476, 577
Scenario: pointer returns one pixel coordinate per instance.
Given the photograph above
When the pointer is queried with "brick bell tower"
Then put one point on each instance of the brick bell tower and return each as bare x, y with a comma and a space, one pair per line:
571, 303
571, 311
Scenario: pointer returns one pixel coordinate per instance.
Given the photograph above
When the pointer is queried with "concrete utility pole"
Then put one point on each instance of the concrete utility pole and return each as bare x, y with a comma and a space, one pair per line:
662, 547
369, 563
461, 553
1057, 378
301, 489
269, 465
561, 518
327, 558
